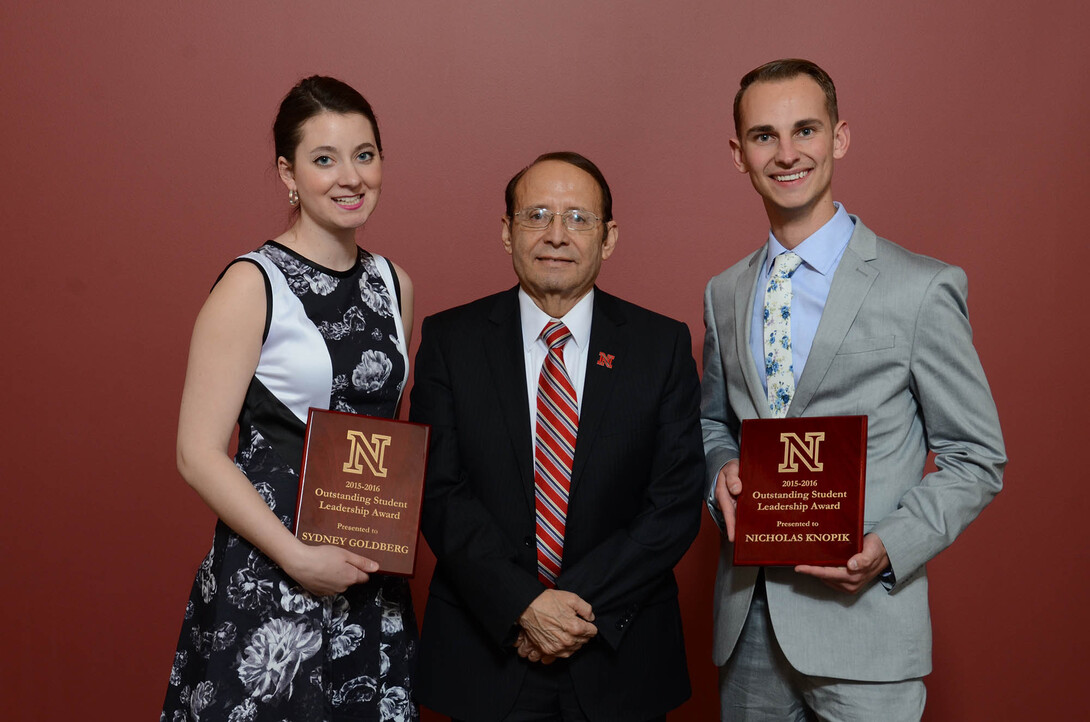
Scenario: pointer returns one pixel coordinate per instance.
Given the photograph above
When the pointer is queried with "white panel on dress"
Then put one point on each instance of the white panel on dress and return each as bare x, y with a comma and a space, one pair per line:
294, 365
384, 270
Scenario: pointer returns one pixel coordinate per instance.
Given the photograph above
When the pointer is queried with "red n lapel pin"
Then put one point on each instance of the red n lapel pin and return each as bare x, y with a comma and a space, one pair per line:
605, 359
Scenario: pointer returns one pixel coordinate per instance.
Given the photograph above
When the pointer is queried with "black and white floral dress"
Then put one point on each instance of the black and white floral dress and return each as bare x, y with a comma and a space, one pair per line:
255, 645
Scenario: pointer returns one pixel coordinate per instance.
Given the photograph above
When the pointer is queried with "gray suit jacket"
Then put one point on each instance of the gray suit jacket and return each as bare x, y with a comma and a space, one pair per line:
894, 343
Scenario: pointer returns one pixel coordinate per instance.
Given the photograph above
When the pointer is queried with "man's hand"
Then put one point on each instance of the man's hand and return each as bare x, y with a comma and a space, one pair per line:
556, 624
861, 569
527, 650
728, 487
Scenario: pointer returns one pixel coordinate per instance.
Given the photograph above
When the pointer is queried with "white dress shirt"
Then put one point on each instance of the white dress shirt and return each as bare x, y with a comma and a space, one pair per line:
578, 321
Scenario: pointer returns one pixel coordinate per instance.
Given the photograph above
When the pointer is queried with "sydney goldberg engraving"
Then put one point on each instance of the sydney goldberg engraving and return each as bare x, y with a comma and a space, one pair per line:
361, 486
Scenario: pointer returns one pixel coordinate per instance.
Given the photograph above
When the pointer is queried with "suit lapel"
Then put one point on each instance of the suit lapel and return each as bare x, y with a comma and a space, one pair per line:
744, 292
507, 363
606, 337
851, 282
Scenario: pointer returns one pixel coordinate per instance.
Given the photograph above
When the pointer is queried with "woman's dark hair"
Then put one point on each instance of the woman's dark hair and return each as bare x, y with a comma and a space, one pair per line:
314, 95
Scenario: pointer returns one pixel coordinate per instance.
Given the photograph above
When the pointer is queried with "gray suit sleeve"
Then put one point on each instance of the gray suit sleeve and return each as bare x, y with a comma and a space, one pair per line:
962, 429
717, 420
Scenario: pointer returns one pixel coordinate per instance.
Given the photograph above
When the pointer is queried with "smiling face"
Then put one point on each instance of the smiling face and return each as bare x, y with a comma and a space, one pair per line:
787, 145
336, 170
557, 266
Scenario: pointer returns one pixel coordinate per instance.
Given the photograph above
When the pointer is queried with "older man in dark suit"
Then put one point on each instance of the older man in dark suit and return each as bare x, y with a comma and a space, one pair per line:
564, 479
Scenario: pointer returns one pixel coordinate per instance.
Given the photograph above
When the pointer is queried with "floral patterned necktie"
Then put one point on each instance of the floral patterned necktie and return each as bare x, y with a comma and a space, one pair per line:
779, 368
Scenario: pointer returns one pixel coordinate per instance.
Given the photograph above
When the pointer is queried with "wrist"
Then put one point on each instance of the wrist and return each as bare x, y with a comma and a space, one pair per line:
288, 553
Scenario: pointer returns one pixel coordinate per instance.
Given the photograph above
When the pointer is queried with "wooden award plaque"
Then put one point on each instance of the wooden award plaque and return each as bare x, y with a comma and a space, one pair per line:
361, 486
803, 483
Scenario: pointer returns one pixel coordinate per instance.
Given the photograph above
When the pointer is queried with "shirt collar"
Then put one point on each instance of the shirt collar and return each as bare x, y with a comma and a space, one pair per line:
577, 320
821, 250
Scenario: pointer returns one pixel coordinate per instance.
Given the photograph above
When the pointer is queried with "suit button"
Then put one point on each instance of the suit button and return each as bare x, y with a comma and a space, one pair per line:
528, 541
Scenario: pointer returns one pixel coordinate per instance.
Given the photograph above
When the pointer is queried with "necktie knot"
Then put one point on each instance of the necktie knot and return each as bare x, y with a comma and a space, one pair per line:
785, 264
555, 334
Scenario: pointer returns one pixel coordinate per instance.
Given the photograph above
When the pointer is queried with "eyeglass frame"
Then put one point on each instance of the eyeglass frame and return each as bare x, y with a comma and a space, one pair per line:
552, 214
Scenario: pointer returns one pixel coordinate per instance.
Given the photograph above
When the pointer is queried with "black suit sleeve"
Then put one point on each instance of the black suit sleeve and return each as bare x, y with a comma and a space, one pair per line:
665, 466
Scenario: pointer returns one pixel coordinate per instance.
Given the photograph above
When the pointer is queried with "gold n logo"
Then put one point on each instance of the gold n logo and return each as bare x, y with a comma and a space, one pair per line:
371, 452
794, 450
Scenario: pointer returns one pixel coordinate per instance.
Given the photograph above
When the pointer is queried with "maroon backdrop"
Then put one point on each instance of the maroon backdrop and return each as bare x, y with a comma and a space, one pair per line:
138, 161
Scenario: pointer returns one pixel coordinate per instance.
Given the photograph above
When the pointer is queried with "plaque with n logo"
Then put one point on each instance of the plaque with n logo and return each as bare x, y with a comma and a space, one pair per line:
803, 483
361, 486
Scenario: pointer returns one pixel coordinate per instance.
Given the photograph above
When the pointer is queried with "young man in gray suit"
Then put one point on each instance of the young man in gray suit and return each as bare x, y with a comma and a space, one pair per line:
873, 329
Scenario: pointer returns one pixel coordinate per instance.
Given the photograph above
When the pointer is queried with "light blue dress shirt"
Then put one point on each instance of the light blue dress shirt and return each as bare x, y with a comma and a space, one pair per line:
821, 254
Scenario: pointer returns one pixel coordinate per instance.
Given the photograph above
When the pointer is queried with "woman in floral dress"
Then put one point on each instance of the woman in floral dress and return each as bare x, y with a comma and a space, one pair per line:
275, 629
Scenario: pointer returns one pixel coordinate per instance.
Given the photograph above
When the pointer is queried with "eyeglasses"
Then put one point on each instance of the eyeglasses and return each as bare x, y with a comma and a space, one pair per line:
573, 220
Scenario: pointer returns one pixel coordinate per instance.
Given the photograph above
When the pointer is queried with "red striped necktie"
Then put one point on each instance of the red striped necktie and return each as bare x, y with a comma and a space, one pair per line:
554, 449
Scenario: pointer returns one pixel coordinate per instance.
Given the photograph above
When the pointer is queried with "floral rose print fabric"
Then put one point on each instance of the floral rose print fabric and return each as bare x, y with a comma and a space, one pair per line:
254, 644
